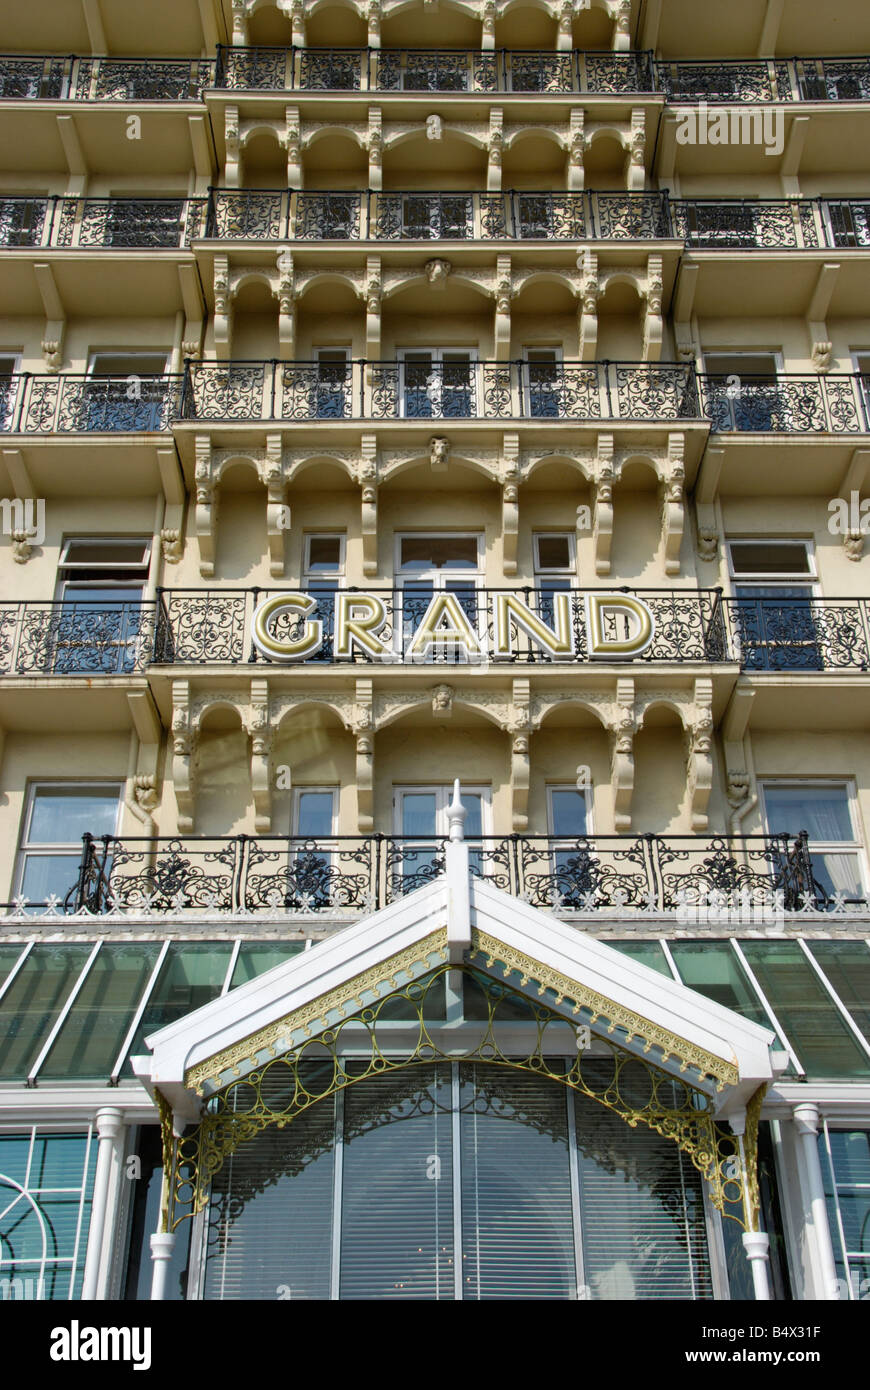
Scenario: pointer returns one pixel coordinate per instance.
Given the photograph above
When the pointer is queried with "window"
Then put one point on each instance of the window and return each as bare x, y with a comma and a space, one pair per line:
545, 382
826, 810
778, 625
100, 626
331, 384
845, 1158
457, 1181
55, 819
323, 572
745, 393
9, 365
46, 1184
555, 567
420, 819
431, 216
573, 864
437, 383
427, 565
313, 868
124, 391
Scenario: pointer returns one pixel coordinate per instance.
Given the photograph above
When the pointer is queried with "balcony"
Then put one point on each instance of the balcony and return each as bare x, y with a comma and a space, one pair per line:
431, 70
787, 404
438, 390
771, 225
286, 215
101, 223
776, 79
214, 627
350, 876
103, 79
80, 404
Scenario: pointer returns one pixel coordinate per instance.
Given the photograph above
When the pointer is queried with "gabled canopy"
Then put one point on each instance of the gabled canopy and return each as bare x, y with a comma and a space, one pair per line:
461, 920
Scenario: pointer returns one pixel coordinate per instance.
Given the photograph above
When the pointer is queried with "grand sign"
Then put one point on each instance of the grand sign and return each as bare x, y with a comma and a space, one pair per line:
618, 626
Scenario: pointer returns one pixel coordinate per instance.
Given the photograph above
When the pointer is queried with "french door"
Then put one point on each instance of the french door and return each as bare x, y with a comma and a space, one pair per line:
420, 820
437, 383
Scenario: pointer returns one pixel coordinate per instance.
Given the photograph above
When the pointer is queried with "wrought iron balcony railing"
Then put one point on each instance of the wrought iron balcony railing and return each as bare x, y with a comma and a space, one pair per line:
431, 70
438, 390
27, 78
81, 638
76, 404
348, 876
105, 223
208, 627
714, 224
73, 78
775, 79
787, 404
203, 626
287, 214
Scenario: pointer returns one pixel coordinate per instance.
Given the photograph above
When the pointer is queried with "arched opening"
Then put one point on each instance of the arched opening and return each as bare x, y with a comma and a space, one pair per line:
604, 164
620, 335
660, 773
417, 26
255, 321
264, 163
434, 157
336, 26
268, 26
223, 779
526, 26
334, 160
592, 29
637, 523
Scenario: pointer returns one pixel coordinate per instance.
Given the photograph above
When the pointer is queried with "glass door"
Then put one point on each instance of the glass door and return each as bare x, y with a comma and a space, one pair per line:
312, 847
420, 818
427, 565
100, 625
331, 387
777, 620
437, 383
545, 383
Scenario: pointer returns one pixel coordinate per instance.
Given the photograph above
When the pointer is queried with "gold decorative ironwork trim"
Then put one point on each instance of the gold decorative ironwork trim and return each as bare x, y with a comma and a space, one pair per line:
329, 1009
599, 1006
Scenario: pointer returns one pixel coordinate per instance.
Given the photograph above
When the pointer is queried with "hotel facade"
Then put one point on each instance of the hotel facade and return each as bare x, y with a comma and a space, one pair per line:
435, 650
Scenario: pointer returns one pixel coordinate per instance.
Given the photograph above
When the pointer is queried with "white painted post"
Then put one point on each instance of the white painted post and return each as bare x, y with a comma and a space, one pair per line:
162, 1248
458, 888
109, 1125
757, 1247
806, 1118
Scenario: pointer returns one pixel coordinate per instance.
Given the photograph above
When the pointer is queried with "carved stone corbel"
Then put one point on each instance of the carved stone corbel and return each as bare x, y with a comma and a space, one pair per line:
259, 728
510, 509
636, 173
495, 150
292, 142
277, 511
368, 479
233, 142
442, 701
183, 744
503, 308
375, 147
622, 32
205, 515
222, 310
652, 323
373, 17
240, 23
297, 19
286, 304
565, 32
520, 731
602, 515
171, 544
587, 312
699, 731
373, 293
362, 726
487, 42
821, 357
622, 754
576, 149
674, 503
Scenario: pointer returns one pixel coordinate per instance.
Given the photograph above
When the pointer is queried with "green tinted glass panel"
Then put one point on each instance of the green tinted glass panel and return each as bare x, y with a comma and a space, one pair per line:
8, 957
90, 1040
46, 1181
193, 974
850, 1149
647, 952
713, 969
256, 960
806, 1011
847, 966
30, 1007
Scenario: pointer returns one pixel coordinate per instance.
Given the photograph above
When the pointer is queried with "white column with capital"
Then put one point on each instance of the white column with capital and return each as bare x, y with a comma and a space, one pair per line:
806, 1119
110, 1128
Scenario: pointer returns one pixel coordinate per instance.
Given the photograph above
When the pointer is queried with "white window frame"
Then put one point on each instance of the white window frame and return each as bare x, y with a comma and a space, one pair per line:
585, 792
568, 571
298, 792
775, 353
443, 797
338, 573
69, 848
838, 1234
438, 356
435, 576
96, 353
528, 356
754, 579
144, 568
855, 846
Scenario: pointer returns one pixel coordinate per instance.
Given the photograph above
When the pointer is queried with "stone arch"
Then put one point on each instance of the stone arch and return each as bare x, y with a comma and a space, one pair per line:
581, 466
314, 460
